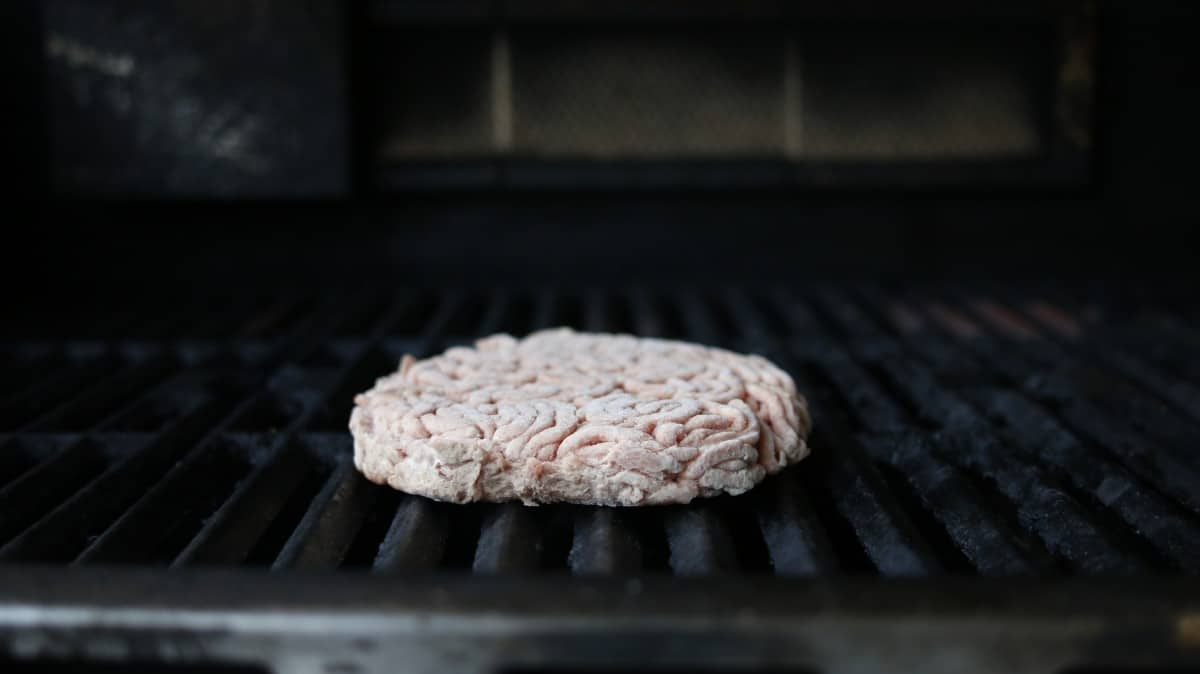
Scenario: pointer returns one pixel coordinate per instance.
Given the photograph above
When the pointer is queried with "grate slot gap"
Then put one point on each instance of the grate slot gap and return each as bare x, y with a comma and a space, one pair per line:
229, 534
464, 320
510, 540
859, 494
818, 385
360, 321
23, 370
845, 308
795, 315
670, 319
848, 548
872, 307
273, 538
545, 311
570, 312
74, 524
700, 543
772, 317
1175, 481
595, 312
416, 539
947, 551
56, 389
556, 525
14, 463
722, 321
465, 522
1166, 525
1115, 526
740, 519
278, 321
192, 518
46, 484
988, 492
901, 395
790, 528
160, 523
364, 548
646, 524
620, 314
414, 316
825, 318
108, 395
269, 415
603, 542
333, 520
518, 319
333, 413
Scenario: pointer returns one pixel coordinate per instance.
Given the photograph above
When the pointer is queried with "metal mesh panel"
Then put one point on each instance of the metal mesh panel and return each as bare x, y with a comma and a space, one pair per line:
848, 93
924, 94
604, 94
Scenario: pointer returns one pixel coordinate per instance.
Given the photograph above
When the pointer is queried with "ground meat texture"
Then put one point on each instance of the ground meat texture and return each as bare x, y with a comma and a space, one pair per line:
570, 417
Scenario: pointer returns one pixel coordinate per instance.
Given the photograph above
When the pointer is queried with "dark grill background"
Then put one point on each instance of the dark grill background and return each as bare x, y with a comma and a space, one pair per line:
976, 418
957, 432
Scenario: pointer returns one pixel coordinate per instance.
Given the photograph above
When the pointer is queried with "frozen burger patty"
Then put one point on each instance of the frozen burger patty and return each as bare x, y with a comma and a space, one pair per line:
562, 416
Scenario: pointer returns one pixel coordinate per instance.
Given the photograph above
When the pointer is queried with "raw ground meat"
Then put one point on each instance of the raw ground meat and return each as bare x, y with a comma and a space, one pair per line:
580, 418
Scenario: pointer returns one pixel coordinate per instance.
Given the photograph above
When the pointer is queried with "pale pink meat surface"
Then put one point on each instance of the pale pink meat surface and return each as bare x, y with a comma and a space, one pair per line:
561, 416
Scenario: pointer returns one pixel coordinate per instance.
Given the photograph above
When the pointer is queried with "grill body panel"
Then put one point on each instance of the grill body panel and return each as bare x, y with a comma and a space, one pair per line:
982, 443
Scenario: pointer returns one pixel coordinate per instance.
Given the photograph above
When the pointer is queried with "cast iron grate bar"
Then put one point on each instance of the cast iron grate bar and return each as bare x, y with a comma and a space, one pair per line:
234, 528
160, 524
1171, 532
338, 512
1043, 373
797, 544
80, 367
70, 527
1131, 390
417, 537
601, 542
992, 547
232, 532
37, 491
1038, 436
1096, 481
328, 529
602, 545
90, 405
492, 319
1065, 525
850, 483
792, 531
509, 541
976, 531
699, 541
987, 433
510, 538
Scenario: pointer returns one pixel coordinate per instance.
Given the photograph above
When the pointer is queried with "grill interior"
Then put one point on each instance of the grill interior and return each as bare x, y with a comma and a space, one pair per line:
957, 432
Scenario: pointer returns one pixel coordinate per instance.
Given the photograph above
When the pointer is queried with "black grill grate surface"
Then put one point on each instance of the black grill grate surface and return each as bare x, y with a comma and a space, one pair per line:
968, 433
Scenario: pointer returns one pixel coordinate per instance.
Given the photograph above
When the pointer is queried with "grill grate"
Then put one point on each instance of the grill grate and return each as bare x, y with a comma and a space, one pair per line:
965, 433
